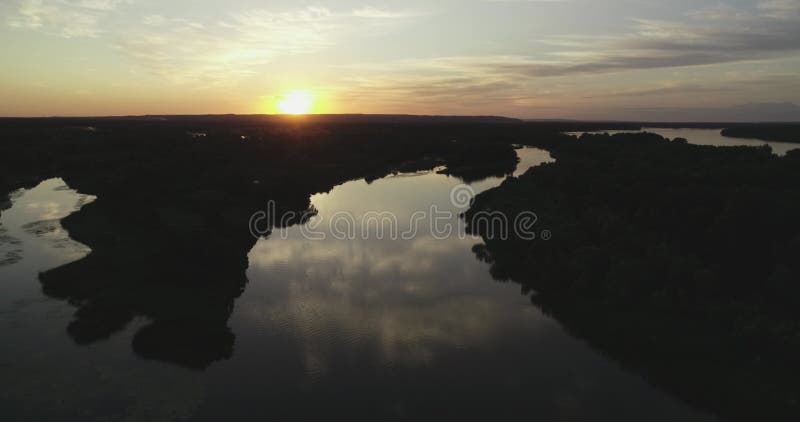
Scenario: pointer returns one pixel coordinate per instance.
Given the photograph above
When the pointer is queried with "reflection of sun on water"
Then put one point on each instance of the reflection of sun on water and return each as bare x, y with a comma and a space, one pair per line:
296, 102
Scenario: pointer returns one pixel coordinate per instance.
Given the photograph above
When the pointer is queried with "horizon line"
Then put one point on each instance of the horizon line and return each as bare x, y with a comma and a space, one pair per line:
432, 116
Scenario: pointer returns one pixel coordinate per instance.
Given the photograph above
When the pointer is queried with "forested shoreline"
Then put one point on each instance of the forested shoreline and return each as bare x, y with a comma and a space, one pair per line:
677, 260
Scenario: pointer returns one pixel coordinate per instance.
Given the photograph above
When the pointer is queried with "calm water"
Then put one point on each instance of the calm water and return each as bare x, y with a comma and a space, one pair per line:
363, 329
711, 137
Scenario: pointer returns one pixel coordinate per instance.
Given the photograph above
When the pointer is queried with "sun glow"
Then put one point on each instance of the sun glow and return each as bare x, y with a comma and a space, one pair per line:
296, 102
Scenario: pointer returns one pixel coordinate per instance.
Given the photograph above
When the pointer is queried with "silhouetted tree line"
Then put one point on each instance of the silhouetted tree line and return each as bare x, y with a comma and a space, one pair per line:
680, 261
781, 132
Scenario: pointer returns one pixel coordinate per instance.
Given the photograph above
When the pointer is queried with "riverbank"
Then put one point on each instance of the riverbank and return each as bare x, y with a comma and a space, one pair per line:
673, 258
766, 131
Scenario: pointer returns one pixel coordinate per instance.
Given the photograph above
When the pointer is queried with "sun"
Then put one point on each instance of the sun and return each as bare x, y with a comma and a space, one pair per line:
296, 102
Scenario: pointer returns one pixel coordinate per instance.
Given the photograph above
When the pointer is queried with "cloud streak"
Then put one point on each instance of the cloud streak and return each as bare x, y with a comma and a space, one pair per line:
712, 36
68, 19
224, 51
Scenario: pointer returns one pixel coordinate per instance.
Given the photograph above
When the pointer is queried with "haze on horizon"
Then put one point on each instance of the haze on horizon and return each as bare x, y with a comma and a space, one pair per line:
579, 59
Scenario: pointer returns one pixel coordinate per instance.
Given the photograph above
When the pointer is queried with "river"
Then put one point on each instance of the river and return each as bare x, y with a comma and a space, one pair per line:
366, 327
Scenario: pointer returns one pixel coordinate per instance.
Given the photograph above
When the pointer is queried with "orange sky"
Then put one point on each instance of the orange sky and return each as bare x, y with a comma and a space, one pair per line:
533, 59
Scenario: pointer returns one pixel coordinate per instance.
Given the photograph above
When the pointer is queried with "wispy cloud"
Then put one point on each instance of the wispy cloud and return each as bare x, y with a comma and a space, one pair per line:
375, 13
710, 36
77, 18
223, 51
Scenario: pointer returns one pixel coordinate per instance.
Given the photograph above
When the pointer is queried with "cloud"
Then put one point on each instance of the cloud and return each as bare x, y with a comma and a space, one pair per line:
373, 13
216, 52
471, 84
438, 85
96, 4
224, 51
710, 36
780, 9
69, 19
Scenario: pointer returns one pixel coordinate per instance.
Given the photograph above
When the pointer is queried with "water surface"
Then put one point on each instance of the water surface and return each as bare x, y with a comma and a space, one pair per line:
363, 328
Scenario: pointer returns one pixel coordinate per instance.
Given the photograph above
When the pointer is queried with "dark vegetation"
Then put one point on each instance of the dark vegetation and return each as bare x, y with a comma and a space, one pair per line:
679, 261
781, 132
169, 232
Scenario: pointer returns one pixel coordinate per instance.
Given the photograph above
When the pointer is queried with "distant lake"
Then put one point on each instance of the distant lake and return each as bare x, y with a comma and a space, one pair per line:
711, 137
375, 329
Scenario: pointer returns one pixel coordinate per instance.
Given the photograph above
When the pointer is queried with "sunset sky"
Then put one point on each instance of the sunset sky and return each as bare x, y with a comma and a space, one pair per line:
589, 59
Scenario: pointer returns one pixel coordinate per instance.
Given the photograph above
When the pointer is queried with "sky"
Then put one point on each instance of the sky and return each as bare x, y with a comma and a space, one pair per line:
537, 59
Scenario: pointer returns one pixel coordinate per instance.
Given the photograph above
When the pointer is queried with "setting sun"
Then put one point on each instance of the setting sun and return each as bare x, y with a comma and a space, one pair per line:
296, 102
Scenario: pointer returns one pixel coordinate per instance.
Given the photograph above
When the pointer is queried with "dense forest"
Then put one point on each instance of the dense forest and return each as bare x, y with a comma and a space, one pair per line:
680, 261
